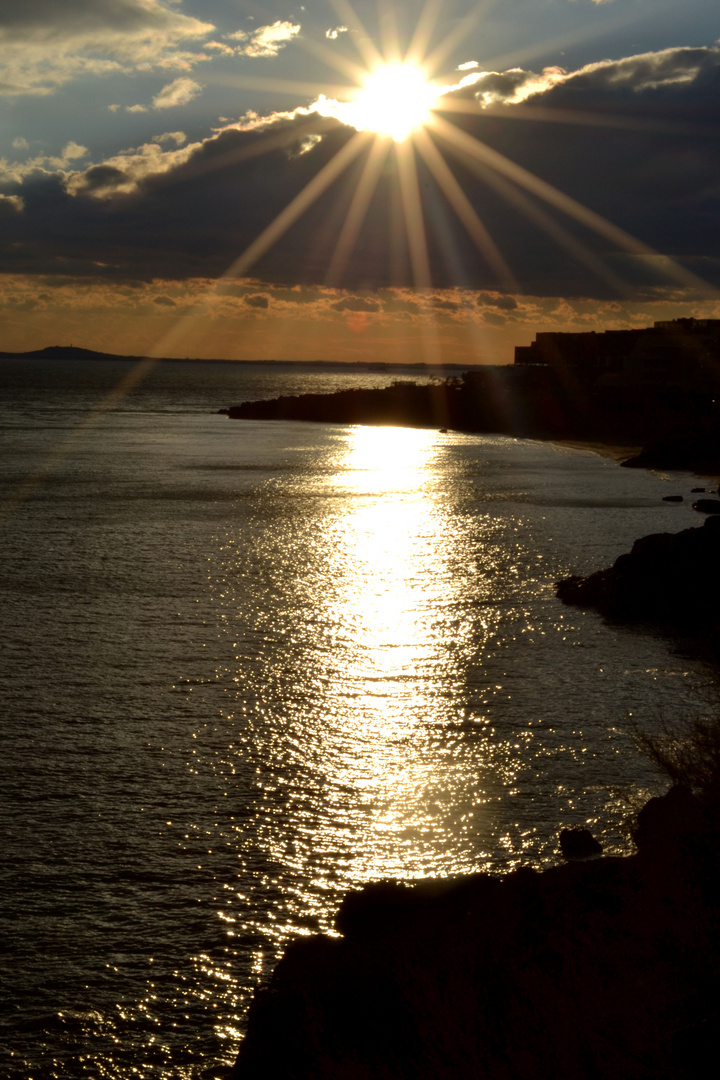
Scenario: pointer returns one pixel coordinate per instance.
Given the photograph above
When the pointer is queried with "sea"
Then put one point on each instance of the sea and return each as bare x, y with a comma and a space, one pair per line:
250, 666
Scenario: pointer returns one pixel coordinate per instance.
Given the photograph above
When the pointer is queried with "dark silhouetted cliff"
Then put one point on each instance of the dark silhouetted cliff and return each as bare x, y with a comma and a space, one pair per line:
667, 578
604, 969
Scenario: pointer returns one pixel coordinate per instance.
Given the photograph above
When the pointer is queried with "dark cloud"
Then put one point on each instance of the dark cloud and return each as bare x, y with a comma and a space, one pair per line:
45, 19
356, 303
257, 300
297, 295
164, 301
505, 303
640, 150
103, 178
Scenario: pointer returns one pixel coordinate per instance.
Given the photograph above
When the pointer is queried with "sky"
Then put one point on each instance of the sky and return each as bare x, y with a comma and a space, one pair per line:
354, 181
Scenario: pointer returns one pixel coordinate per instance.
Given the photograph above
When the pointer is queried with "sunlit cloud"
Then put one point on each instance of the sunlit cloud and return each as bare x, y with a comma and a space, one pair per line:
123, 172
266, 41
44, 45
178, 137
17, 172
377, 182
511, 87
14, 202
179, 92
632, 74
248, 319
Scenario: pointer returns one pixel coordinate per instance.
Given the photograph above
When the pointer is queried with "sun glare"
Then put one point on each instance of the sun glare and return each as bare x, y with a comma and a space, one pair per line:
389, 95
395, 100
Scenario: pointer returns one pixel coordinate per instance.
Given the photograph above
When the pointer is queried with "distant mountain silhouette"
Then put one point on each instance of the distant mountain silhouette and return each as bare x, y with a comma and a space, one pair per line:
66, 352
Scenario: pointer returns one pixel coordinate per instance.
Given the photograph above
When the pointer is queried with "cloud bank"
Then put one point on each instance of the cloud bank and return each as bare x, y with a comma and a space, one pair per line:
45, 43
633, 139
266, 40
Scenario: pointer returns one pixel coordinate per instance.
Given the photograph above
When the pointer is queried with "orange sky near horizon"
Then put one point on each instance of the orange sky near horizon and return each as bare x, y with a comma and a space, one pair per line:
252, 320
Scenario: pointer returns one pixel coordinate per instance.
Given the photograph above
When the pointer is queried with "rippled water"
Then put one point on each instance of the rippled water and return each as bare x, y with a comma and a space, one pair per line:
250, 666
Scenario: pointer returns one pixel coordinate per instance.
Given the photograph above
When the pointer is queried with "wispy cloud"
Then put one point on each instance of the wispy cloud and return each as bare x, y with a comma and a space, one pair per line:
178, 137
45, 43
179, 92
266, 41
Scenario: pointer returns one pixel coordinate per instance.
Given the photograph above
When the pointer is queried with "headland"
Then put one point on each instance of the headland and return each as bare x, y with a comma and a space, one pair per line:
656, 387
597, 969
600, 968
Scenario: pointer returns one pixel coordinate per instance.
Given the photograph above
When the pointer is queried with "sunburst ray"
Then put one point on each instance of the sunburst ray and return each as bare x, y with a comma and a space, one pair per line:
437, 57
389, 34
302, 201
465, 211
363, 42
424, 30
552, 228
413, 215
358, 209
552, 195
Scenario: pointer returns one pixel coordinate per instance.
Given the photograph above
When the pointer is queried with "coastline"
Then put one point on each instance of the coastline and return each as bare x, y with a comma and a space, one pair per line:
614, 451
534, 975
570, 955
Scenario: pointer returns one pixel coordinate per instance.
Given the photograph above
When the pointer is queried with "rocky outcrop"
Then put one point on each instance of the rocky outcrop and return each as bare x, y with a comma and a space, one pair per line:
667, 578
693, 446
604, 969
579, 843
403, 403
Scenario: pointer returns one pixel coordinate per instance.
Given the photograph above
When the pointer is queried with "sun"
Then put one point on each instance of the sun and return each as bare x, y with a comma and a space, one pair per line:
397, 96
395, 100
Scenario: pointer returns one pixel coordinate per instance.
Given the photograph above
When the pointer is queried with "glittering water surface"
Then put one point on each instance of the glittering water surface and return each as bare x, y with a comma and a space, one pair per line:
248, 667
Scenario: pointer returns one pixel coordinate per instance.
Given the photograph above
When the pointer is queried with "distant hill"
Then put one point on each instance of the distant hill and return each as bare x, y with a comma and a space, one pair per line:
73, 352
65, 352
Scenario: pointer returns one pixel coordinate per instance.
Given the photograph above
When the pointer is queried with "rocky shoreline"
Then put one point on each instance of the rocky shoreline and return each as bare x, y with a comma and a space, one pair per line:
669, 579
523, 402
601, 968
598, 969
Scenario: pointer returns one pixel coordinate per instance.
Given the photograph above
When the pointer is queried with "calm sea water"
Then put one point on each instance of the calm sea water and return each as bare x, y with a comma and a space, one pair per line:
247, 667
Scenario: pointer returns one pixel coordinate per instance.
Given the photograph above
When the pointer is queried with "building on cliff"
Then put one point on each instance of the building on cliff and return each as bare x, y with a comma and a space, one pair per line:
673, 355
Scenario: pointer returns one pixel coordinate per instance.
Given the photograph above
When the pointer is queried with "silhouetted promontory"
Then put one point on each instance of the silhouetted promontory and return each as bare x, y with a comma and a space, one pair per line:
628, 387
598, 969
524, 402
667, 578
692, 445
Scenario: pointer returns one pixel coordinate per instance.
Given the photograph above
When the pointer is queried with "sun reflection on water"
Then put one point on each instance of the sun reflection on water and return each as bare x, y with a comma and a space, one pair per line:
377, 643
390, 663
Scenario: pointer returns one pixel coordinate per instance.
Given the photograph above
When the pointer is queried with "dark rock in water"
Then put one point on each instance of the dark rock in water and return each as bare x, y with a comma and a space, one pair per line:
672, 498
668, 578
707, 506
697, 491
595, 970
579, 844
